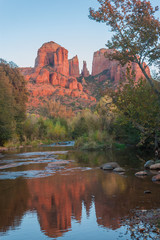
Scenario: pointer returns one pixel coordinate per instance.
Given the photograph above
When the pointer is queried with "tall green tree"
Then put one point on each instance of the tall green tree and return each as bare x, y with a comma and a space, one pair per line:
6, 108
13, 98
136, 32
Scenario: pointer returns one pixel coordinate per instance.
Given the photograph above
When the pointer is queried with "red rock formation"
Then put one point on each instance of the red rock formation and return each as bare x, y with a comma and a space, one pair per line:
85, 72
72, 83
53, 75
74, 67
84, 82
92, 98
43, 76
80, 87
58, 79
27, 70
55, 56
113, 70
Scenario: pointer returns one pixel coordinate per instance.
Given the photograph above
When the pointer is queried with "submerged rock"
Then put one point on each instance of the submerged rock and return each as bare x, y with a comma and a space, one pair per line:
155, 166
148, 163
109, 166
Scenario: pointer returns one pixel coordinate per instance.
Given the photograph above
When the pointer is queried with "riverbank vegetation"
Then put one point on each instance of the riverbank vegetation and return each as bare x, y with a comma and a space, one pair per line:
127, 116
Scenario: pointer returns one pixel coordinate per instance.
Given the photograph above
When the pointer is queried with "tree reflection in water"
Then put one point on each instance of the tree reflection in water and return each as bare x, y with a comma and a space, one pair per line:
58, 199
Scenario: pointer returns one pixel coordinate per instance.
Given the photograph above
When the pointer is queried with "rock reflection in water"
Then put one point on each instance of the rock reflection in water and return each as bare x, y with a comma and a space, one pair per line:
59, 199
14, 195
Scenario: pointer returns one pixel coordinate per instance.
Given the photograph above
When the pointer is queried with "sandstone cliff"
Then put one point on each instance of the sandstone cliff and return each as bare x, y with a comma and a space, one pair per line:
111, 68
74, 67
54, 76
85, 72
55, 56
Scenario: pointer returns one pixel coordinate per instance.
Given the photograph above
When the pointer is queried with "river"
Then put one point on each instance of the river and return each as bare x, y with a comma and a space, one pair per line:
56, 192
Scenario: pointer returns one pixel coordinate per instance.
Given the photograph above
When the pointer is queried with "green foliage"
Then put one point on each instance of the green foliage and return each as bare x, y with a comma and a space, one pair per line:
31, 128
55, 130
80, 128
95, 140
13, 99
6, 111
47, 130
42, 128
138, 111
119, 145
84, 122
125, 132
91, 130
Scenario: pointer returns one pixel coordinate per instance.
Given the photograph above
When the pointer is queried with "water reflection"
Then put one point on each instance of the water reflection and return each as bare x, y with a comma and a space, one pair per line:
58, 199
14, 195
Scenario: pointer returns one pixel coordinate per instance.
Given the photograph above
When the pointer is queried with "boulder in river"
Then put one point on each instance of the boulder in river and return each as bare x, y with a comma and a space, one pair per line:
119, 169
155, 166
109, 166
156, 178
141, 173
148, 163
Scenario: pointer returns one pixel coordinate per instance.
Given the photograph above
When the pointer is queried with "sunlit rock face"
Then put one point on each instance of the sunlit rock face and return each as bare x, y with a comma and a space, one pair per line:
54, 55
85, 72
112, 69
54, 75
74, 67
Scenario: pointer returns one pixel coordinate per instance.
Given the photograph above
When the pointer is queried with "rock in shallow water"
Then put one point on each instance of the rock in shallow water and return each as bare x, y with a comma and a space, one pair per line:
119, 169
148, 163
109, 166
156, 178
155, 166
141, 173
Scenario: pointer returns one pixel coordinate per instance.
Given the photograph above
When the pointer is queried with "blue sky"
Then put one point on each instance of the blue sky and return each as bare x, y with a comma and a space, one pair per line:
26, 24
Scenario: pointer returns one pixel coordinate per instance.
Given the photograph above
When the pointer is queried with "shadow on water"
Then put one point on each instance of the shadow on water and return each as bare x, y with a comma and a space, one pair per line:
79, 201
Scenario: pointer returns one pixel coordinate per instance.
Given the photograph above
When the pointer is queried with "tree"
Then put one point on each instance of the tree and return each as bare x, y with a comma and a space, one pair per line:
136, 30
6, 108
138, 104
19, 93
13, 98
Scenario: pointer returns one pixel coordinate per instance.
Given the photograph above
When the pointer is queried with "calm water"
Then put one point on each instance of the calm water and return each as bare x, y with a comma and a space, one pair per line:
75, 200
